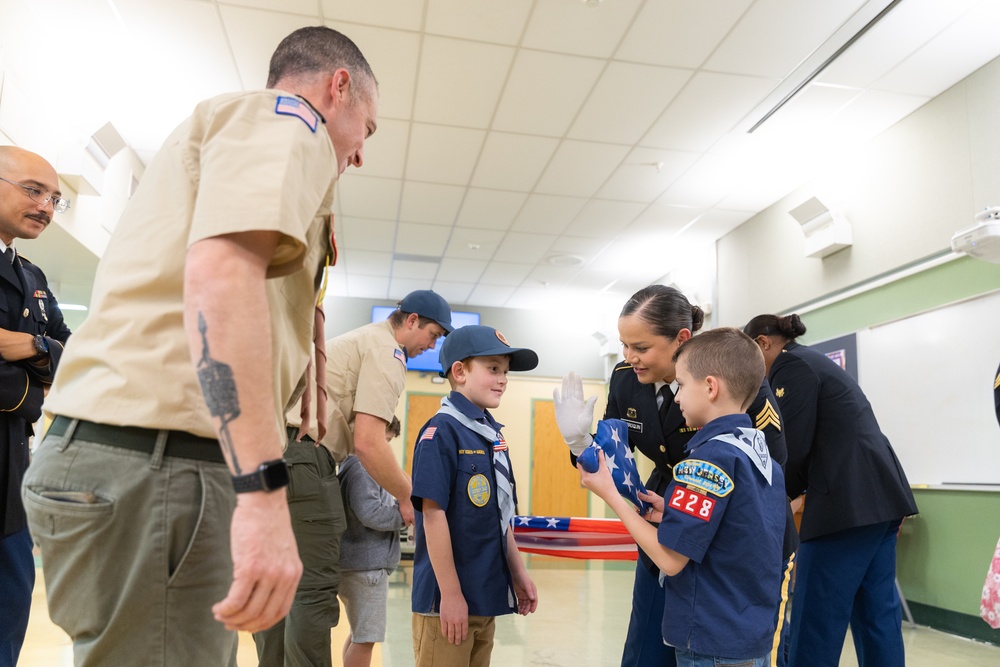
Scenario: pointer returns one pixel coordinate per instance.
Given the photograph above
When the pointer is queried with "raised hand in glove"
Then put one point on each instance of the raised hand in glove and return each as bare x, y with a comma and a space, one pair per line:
574, 415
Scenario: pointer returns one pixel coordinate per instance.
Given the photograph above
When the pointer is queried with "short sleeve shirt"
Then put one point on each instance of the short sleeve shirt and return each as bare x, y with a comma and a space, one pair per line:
235, 165
721, 513
365, 372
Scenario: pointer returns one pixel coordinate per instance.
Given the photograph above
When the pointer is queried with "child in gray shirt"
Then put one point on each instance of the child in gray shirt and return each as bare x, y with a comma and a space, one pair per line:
369, 552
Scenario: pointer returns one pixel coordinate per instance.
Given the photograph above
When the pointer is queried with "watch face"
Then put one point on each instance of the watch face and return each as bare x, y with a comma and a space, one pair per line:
275, 474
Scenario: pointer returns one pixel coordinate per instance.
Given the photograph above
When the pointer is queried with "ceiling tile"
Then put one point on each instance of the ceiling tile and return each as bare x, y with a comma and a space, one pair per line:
253, 35
478, 244
439, 154
481, 20
710, 179
415, 239
460, 81
393, 56
648, 90
900, 33
513, 161
645, 174
548, 275
586, 248
790, 29
493, 296
490, 209
367, 263
368, 197
548, 214
424, 271
305, 7
585, 29
679, 33
431, 203
962, 47
579, 168
385, 151
365, 234
367, 287
524, 248
505, 273
603, 218
461, 270
400, 287
711, 104
455, 293
402, 14
544, 92
661, 218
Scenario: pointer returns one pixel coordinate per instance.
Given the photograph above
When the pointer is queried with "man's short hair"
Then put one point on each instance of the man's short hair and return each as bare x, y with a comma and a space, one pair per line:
728, 354
317, 50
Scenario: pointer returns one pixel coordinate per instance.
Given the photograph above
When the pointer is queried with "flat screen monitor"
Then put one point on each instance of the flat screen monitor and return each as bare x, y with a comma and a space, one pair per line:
429, 361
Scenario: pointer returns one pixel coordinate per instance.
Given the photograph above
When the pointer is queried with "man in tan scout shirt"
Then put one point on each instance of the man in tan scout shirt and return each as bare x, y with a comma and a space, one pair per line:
173, 394
365, 374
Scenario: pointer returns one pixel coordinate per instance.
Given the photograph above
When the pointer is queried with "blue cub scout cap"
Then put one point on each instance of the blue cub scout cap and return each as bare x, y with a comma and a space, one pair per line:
428, 303
476, 340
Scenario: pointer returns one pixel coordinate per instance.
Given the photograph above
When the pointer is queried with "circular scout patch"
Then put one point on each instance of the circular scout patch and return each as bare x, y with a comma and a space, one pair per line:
479, 490
705, 476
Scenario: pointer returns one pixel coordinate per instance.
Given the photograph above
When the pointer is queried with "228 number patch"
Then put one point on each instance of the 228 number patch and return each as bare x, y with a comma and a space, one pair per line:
692, 503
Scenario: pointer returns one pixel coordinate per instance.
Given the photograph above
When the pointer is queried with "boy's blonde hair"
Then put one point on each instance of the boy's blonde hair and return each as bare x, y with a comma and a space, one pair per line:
728, 354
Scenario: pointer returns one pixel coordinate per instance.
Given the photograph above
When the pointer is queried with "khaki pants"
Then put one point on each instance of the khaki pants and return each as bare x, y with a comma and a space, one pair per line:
135, 551
432, 649
302, 639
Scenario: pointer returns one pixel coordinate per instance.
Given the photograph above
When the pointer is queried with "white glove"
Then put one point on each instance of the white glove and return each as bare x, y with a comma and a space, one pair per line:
574, 415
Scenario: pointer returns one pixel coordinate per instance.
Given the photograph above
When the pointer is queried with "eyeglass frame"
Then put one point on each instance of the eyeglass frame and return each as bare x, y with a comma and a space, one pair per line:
57, 201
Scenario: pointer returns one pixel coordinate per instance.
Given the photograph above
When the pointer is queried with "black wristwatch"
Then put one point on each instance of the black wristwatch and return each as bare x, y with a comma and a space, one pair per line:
270, 476
41, 347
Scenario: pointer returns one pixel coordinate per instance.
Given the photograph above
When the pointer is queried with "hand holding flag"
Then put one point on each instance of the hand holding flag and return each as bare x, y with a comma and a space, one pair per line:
612, 439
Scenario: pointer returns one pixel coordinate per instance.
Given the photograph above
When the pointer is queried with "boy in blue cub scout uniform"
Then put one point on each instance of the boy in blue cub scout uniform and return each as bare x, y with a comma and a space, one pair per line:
466, 566
723, 514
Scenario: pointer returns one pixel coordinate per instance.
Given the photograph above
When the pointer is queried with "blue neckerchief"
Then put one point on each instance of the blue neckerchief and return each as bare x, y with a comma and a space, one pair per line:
738, 431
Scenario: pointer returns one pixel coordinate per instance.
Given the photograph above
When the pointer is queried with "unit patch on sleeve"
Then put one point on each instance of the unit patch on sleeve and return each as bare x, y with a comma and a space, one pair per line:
704, 476
400, 356
692, 503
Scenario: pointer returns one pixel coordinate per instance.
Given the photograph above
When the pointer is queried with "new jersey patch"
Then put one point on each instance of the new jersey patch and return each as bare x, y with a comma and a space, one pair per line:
705, 476
692, 503
289, 106
479, 490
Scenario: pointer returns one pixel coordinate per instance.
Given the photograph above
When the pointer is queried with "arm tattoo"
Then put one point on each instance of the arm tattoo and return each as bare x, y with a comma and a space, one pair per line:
219, 389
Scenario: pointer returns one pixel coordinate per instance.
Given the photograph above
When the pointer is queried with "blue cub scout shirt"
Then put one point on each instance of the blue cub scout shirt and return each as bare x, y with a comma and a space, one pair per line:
453, 466
720, 512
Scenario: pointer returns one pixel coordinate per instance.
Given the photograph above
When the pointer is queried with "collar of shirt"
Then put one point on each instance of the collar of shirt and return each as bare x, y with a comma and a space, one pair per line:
718, 426
3, 249
467, 408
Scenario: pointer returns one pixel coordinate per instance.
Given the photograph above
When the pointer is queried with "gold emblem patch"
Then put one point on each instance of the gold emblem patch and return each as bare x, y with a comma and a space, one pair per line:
479, 490
630, 413
779, 392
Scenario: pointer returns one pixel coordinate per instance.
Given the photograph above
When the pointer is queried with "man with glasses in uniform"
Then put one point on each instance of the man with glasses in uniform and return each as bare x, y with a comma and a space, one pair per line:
158, 494
32, 334
365, 376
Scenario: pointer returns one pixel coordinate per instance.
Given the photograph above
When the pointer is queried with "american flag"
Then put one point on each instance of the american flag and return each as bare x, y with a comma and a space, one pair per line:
428, 433
612, 438
574, 537
399, 355
289, 106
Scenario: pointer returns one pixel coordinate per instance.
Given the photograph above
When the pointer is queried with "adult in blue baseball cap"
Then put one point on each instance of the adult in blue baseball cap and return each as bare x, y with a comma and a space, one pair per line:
419, 320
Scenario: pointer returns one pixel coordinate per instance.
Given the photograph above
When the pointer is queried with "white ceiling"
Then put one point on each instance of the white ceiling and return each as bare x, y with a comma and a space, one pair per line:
535, 151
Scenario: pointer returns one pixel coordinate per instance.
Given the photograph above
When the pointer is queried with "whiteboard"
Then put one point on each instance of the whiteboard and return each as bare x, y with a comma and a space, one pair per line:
929, 378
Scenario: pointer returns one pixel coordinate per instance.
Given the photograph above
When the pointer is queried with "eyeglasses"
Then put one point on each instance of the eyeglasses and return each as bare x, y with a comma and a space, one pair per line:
59, 204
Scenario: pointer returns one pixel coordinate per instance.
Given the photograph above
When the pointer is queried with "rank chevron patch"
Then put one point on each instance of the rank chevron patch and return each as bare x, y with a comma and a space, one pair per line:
767, 416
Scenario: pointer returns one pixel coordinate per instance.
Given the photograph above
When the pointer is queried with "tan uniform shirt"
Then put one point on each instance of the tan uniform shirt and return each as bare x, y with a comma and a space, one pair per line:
235, 165
365, 372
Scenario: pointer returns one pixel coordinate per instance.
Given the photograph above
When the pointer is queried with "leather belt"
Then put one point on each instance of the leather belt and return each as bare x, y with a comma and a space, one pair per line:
180, 444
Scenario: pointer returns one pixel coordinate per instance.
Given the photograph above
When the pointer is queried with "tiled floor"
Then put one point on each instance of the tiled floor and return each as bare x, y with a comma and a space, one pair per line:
581, 621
